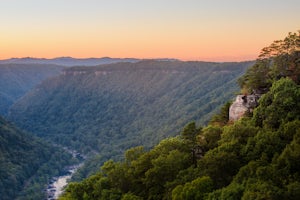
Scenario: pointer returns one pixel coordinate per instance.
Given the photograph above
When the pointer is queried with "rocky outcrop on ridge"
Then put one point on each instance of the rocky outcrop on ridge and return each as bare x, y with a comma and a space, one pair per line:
241, 105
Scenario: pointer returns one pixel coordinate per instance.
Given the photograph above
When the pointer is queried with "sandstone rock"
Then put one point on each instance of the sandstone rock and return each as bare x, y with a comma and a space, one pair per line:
241, 105
237, 109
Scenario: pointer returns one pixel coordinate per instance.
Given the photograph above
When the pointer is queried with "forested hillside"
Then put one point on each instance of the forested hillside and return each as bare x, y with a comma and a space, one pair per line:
109, 108
27, 163
20, 75
256, 157
17, 79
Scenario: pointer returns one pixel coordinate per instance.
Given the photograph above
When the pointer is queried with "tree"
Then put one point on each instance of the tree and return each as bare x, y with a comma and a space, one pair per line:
165, 168
221, 118
279, 105
134, 153
257, 78
189, 132
280, 59
197, 189
263, 190
130, 196
209, 137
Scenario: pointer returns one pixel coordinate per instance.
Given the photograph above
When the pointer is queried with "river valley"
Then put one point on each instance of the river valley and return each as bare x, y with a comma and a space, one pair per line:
57, 184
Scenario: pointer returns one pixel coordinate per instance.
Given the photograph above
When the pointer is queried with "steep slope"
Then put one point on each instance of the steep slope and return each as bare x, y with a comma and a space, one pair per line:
241, 160
112, 107
255, 157
19, 75
26, 163
17, 79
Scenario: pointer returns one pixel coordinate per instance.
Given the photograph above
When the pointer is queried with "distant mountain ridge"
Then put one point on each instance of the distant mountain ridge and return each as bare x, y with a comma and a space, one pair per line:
20, 75
68, 61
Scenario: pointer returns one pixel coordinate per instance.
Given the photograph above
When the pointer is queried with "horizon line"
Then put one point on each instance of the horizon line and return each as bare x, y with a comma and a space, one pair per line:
213, 59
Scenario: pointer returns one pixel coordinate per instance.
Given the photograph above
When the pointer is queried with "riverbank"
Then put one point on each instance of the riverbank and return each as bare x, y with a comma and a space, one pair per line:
57, 184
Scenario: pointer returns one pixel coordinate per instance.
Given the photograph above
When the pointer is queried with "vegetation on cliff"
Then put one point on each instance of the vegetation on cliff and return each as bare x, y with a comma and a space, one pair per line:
257, 157
280, 59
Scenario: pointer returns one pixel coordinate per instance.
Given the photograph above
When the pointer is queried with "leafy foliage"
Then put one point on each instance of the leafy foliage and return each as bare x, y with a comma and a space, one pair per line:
256, 157
280, 59
243, 161
279, 105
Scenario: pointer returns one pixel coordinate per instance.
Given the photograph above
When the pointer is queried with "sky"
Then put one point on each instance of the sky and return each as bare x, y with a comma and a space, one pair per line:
209, 30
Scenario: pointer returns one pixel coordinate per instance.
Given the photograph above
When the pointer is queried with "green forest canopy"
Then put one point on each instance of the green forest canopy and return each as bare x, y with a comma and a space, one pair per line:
107, 109
27, 163
257, 157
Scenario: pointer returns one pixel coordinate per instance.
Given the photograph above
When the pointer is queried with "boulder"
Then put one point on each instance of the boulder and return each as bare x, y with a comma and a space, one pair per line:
241, 105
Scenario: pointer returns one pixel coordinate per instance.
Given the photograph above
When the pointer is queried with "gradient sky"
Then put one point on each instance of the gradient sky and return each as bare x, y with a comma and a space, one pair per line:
214, 30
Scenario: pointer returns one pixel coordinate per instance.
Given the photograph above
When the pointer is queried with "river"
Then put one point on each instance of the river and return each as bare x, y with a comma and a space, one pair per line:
60, 184
57, 184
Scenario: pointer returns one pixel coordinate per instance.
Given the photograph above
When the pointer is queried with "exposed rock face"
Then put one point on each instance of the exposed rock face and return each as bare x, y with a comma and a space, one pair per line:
241, 105
237, 109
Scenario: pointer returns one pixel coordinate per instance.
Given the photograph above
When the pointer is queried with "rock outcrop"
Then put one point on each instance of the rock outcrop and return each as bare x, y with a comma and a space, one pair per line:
241, 105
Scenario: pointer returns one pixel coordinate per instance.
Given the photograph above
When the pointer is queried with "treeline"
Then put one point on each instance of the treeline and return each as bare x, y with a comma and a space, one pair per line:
257, 157
27, 164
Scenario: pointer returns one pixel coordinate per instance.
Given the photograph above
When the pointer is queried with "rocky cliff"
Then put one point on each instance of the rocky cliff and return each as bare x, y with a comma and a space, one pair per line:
241, 105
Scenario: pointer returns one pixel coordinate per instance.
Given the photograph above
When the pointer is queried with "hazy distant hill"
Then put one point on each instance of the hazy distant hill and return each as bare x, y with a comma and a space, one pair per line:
68, 61
26, 163
110, 108
17, 79
19, 75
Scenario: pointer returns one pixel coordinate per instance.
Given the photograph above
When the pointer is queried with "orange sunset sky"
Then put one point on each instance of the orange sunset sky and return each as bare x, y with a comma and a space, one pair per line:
211, 30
